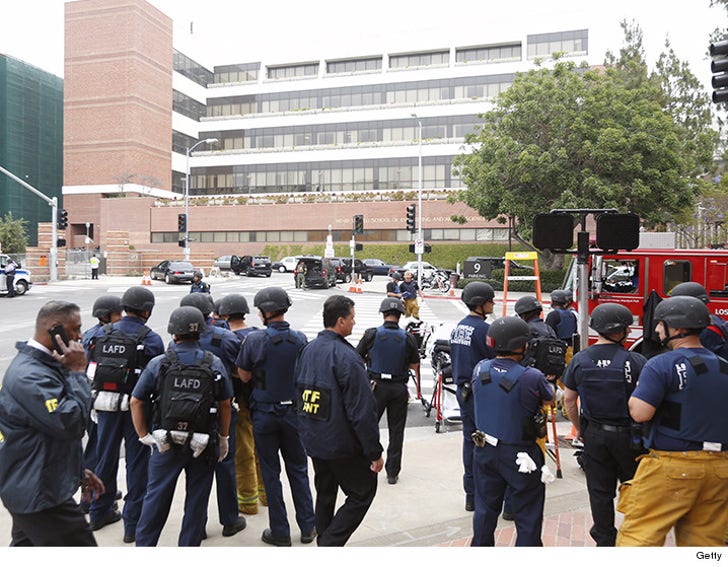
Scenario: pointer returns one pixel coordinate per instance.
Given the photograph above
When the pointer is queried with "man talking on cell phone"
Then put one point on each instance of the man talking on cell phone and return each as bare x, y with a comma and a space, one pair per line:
44, 407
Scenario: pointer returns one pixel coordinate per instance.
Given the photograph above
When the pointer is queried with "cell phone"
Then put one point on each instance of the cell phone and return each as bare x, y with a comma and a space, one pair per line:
58, 330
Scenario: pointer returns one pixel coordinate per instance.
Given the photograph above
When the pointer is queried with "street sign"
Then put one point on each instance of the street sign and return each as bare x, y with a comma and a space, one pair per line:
419, 246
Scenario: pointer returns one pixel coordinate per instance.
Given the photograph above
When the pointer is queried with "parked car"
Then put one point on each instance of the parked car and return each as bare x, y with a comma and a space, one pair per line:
22, 281
314, 272
379, 267
224, 263
427, 269
173, 271
360, 269
252, 266
287, 264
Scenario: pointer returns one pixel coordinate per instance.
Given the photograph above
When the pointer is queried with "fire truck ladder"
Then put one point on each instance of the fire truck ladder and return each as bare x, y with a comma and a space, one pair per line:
522, 256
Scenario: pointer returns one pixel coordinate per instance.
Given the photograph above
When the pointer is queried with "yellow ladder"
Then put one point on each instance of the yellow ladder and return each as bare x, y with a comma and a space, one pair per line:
530, 256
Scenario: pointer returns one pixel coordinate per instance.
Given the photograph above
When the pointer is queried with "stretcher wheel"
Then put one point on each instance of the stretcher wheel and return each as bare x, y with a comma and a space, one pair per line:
437, 426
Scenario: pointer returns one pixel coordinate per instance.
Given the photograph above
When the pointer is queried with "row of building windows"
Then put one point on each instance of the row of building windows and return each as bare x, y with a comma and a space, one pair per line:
539, 45
444, 127
240, 73
293, 71
354, 65
483, 87
299, 236
341, 176
489, 54
574, 42
188, 106
191, 69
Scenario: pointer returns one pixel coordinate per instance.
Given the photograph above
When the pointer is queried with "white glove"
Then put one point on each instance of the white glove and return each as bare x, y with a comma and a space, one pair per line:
525, 463
558, 394
547, 477
224, 447
148, 440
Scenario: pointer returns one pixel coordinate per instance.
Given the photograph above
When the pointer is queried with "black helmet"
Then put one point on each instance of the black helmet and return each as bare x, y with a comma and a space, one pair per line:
395, 276
392, 304
527, 304
202, 301
197, 274
609, 318
508, 334
186, 320
477, 293
559, 297
272, 299
105, 305
683, 312
692, 289
233, 304
139, 298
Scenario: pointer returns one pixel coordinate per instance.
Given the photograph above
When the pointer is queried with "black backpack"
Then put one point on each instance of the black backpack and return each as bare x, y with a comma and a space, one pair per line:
119, 359
185, 399
547, 354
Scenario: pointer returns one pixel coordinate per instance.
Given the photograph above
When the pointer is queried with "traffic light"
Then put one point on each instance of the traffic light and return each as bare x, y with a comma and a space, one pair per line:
62, 219
411, 225
719, 68
358, 224
182, 222
60, 242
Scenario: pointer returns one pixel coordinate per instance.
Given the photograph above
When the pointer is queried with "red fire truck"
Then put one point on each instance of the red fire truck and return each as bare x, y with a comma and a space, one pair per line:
630, 277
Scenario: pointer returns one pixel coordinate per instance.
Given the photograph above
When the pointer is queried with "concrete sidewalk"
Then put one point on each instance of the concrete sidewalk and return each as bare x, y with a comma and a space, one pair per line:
424, 509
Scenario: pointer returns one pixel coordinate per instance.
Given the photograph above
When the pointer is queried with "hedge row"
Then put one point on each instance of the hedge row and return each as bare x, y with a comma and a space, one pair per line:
550, 280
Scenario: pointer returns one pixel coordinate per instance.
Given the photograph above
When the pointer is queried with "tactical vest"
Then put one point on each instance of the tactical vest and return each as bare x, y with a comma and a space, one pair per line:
567, 324
186, 394
467, 347
275, 381
697, 412
498, 410
548, 354
118, 359
388, 354
604, 391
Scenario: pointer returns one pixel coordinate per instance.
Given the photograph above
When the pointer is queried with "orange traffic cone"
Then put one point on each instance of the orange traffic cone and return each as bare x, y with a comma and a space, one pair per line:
146, 280
352, 284
358, 286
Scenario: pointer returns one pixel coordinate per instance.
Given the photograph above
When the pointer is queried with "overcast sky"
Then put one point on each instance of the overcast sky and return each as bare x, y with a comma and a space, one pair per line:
286, 31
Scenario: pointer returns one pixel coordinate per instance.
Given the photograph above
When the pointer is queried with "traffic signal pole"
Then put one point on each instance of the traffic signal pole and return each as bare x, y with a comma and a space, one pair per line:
53, 202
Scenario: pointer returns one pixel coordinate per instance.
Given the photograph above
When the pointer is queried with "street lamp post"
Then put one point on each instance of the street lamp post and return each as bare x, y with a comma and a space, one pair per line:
419, 201
187, 194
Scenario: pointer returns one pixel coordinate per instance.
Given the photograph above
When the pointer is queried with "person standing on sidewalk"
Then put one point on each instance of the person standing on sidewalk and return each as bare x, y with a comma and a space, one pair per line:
468, 346
44, 406
119, 353
188, 391
603, 377
94, 261
232, 309
225, 345
9, 270
508, 400
389, 353
338, 424
682, 482
268, 358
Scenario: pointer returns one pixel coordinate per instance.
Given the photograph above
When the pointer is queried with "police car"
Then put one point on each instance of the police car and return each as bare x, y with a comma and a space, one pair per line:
22, 278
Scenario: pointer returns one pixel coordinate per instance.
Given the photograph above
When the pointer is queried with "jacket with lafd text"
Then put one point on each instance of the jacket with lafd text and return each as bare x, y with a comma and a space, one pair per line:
337, 412
44, 410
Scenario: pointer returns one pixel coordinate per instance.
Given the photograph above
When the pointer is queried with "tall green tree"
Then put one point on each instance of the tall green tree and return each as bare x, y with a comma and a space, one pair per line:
574, 137
13, 236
